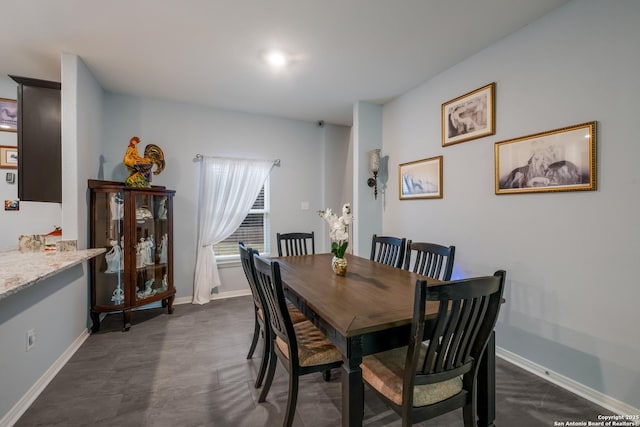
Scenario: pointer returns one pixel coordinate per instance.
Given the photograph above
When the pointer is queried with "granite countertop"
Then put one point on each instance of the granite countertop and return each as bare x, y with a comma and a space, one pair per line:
19, 270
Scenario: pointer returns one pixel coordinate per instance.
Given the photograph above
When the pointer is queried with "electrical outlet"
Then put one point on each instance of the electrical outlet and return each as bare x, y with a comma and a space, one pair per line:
304, 206
31, 338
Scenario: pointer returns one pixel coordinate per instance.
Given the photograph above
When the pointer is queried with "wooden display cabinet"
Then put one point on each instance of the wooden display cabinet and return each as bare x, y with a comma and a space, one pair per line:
135, 225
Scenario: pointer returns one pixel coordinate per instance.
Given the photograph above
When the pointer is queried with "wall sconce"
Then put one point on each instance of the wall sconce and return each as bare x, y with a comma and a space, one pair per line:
374, 167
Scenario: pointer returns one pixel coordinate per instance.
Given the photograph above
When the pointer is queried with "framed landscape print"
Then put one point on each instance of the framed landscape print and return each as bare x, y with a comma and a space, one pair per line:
421, 179
469, 116
558, 160
8, 157
8, 115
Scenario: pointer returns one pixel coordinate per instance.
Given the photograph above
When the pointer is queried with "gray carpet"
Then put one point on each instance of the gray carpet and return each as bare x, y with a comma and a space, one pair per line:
190, 369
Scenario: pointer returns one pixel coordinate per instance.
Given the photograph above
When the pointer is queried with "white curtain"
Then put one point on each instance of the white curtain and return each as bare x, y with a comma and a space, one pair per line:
228, 189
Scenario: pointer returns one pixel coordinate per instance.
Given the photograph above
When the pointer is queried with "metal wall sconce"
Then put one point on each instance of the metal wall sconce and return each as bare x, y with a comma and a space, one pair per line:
374, 167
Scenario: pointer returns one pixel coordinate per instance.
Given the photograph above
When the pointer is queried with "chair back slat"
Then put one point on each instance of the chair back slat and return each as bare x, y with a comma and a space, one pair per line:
432, 350
430, 259
467, 313
464, 321
474, 325
246, 259
270, 284
388, 250
296, 244
444, 348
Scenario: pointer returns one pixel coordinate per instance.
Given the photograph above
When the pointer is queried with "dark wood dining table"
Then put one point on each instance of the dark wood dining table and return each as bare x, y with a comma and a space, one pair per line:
366, 311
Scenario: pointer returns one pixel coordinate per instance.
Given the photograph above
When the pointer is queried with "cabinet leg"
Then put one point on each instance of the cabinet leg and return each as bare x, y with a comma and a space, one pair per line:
95, 319
126, 317
170, 304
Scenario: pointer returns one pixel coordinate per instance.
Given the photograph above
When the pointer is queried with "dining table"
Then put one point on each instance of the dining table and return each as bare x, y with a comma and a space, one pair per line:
368, 310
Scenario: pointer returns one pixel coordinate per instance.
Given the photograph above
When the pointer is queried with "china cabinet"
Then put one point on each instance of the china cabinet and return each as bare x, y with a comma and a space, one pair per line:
135, 225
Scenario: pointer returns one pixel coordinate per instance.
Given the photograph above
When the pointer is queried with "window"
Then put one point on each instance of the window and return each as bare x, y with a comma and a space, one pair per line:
253, 232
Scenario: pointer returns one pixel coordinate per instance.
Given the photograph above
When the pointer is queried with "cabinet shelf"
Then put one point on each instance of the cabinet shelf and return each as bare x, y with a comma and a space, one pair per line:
113, 215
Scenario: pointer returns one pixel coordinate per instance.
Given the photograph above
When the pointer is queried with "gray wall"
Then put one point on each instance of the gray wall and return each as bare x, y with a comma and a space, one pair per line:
338, 177
183, 130
367, 135
572, 288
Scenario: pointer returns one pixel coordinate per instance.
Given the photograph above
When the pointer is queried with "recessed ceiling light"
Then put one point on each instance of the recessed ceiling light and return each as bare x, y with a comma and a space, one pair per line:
276, 58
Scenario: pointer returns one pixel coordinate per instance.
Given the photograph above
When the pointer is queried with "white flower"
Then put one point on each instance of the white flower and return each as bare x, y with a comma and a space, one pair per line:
341, 234
338, 228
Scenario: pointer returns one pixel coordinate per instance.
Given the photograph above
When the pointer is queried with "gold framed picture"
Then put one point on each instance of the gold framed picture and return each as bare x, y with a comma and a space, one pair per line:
469, 116
558, 160
8, 115
8, 157
421, 179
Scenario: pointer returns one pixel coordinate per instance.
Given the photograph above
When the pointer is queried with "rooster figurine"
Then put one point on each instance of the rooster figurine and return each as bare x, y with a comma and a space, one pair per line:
140, 168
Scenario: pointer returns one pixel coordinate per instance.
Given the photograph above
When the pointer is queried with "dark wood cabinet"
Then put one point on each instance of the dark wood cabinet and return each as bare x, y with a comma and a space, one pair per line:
39, 140
135, 225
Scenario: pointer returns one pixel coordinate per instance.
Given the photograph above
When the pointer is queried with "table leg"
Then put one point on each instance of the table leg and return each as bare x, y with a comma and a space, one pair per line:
487, 385
352, 386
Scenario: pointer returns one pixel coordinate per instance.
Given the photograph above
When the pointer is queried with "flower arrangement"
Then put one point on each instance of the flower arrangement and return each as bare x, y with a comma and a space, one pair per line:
338, 229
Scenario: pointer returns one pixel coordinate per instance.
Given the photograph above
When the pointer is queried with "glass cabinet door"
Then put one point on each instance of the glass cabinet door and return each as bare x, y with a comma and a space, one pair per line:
151, 277
109, 277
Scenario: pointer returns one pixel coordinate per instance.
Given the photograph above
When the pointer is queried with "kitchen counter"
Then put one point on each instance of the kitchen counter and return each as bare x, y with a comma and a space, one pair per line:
20, 270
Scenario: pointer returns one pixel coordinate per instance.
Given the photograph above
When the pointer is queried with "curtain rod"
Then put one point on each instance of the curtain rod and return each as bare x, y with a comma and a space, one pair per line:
199, 156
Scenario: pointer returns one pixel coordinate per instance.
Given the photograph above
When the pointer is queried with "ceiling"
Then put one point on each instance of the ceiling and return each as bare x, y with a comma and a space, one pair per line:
209, 52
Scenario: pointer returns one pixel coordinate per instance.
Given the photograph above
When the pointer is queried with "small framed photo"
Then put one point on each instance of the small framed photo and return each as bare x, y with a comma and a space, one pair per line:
469, 116
558, 160
8, 115
8, 157
12, 205
421, 179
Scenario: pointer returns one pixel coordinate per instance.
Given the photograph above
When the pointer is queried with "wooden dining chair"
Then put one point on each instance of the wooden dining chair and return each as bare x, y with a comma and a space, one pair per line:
436, 372
430, 259
295, 243
302, 348
388, 250
261, 325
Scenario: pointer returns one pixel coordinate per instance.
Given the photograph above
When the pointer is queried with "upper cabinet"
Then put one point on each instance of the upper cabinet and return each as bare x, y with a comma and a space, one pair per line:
39, 140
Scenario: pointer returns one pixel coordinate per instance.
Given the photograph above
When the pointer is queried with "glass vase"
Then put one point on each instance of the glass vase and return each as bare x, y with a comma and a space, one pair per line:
339, 265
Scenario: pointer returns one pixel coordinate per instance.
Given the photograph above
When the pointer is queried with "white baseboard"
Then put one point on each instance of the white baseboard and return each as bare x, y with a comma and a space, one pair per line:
32, 394
231, 294
222, 295
597, 397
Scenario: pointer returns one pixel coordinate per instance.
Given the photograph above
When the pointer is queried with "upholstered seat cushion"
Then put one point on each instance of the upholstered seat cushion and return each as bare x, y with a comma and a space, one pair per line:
384, 372
313, 347
295, 314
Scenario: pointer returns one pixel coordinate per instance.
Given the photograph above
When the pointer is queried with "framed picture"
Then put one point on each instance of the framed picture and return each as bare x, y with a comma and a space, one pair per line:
8, 157
421, 179
12, 205
469, 116
558, 160
8, 115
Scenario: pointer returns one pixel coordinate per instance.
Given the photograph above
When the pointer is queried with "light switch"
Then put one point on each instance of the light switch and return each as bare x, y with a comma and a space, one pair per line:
304, 206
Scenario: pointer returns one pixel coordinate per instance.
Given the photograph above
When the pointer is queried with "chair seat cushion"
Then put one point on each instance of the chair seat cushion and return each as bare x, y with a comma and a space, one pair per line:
295, 314
313, 347
384, 372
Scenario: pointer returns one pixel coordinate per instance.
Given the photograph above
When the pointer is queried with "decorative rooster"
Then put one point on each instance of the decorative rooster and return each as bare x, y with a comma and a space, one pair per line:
140, 168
